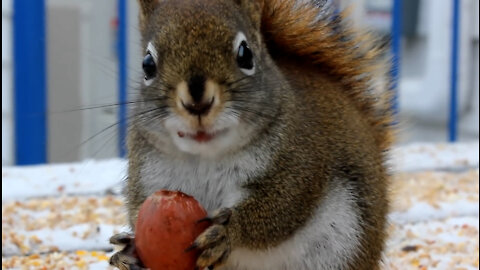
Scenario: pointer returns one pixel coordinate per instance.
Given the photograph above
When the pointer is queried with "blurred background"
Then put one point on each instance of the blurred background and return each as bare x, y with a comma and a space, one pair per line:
76, 59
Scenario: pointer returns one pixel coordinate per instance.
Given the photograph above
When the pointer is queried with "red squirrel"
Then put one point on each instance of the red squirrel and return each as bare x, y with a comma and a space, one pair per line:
274, 115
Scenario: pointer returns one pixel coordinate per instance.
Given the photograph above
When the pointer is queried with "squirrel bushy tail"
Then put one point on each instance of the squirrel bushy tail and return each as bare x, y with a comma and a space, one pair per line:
326, 39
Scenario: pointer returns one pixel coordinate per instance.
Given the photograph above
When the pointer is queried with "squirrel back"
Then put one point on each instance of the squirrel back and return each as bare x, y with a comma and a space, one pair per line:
300, 36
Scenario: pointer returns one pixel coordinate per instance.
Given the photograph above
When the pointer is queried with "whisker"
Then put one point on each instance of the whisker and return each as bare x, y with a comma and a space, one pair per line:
252, 112
236, 81
108, 105
252, 102
105, 129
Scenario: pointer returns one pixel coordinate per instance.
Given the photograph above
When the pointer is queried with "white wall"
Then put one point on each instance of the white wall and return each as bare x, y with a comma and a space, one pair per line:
82, 73
470, 121
82, 70
426, 73
424, 86
7, 97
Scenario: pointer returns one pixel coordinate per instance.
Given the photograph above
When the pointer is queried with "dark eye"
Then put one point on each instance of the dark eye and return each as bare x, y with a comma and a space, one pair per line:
149, 67
244, 56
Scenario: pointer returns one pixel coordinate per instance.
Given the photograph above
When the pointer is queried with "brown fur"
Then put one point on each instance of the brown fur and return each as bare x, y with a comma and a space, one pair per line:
349, 56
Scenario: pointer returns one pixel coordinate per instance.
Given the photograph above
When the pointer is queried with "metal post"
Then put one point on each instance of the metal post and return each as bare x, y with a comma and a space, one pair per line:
30, 88
452, 124
123, 75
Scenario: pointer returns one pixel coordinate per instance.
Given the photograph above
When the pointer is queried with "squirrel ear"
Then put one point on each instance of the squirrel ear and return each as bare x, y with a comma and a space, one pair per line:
146, 9
254, 10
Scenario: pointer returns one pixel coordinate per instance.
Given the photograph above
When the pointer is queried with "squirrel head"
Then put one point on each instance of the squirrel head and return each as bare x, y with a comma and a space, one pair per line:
209, 84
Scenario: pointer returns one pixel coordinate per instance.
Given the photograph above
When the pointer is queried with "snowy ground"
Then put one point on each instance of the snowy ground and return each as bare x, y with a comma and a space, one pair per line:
62, 215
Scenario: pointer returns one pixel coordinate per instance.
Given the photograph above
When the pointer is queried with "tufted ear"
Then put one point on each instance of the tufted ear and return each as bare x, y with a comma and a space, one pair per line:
253, 9
147, 8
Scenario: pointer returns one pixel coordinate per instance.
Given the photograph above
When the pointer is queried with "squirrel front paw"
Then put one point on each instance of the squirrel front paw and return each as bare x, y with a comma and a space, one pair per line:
214, 243
125, 259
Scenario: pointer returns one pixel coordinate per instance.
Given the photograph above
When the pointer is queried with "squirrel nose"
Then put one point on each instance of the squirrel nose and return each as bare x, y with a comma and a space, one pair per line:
196, 87
199, 108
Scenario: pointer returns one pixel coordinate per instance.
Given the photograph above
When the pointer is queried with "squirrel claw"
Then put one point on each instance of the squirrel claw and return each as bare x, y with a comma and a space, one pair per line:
205, 219
190, 248
221, 216
122, 239
214, 246
125, 259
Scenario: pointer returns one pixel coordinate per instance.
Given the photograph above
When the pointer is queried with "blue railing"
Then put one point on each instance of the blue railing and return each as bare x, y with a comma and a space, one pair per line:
453, 115
29, 78
123, 74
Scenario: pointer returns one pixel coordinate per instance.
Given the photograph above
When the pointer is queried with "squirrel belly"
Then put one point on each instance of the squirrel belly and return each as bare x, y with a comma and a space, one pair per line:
273, 112
328, 241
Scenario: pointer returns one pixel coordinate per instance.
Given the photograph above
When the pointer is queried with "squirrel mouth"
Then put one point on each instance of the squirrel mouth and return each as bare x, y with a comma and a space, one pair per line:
201, 136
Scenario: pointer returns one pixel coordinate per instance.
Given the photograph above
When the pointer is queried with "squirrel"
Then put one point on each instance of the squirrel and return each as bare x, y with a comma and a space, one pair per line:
275, 116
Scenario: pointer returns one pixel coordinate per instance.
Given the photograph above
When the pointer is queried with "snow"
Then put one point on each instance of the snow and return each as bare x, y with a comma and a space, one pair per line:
422, 211
98, 265
425, 236
421, 157
65, 239
83, 178
100, 177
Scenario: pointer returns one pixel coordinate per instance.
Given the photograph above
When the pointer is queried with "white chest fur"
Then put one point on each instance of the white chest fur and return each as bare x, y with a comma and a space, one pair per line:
214, 183
328, 240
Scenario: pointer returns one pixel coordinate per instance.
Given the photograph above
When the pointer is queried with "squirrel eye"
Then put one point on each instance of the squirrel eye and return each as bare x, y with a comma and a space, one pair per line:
245, 58
149, 67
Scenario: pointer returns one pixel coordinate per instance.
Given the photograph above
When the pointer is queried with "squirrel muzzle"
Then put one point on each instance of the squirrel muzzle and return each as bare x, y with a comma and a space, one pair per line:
199, 101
